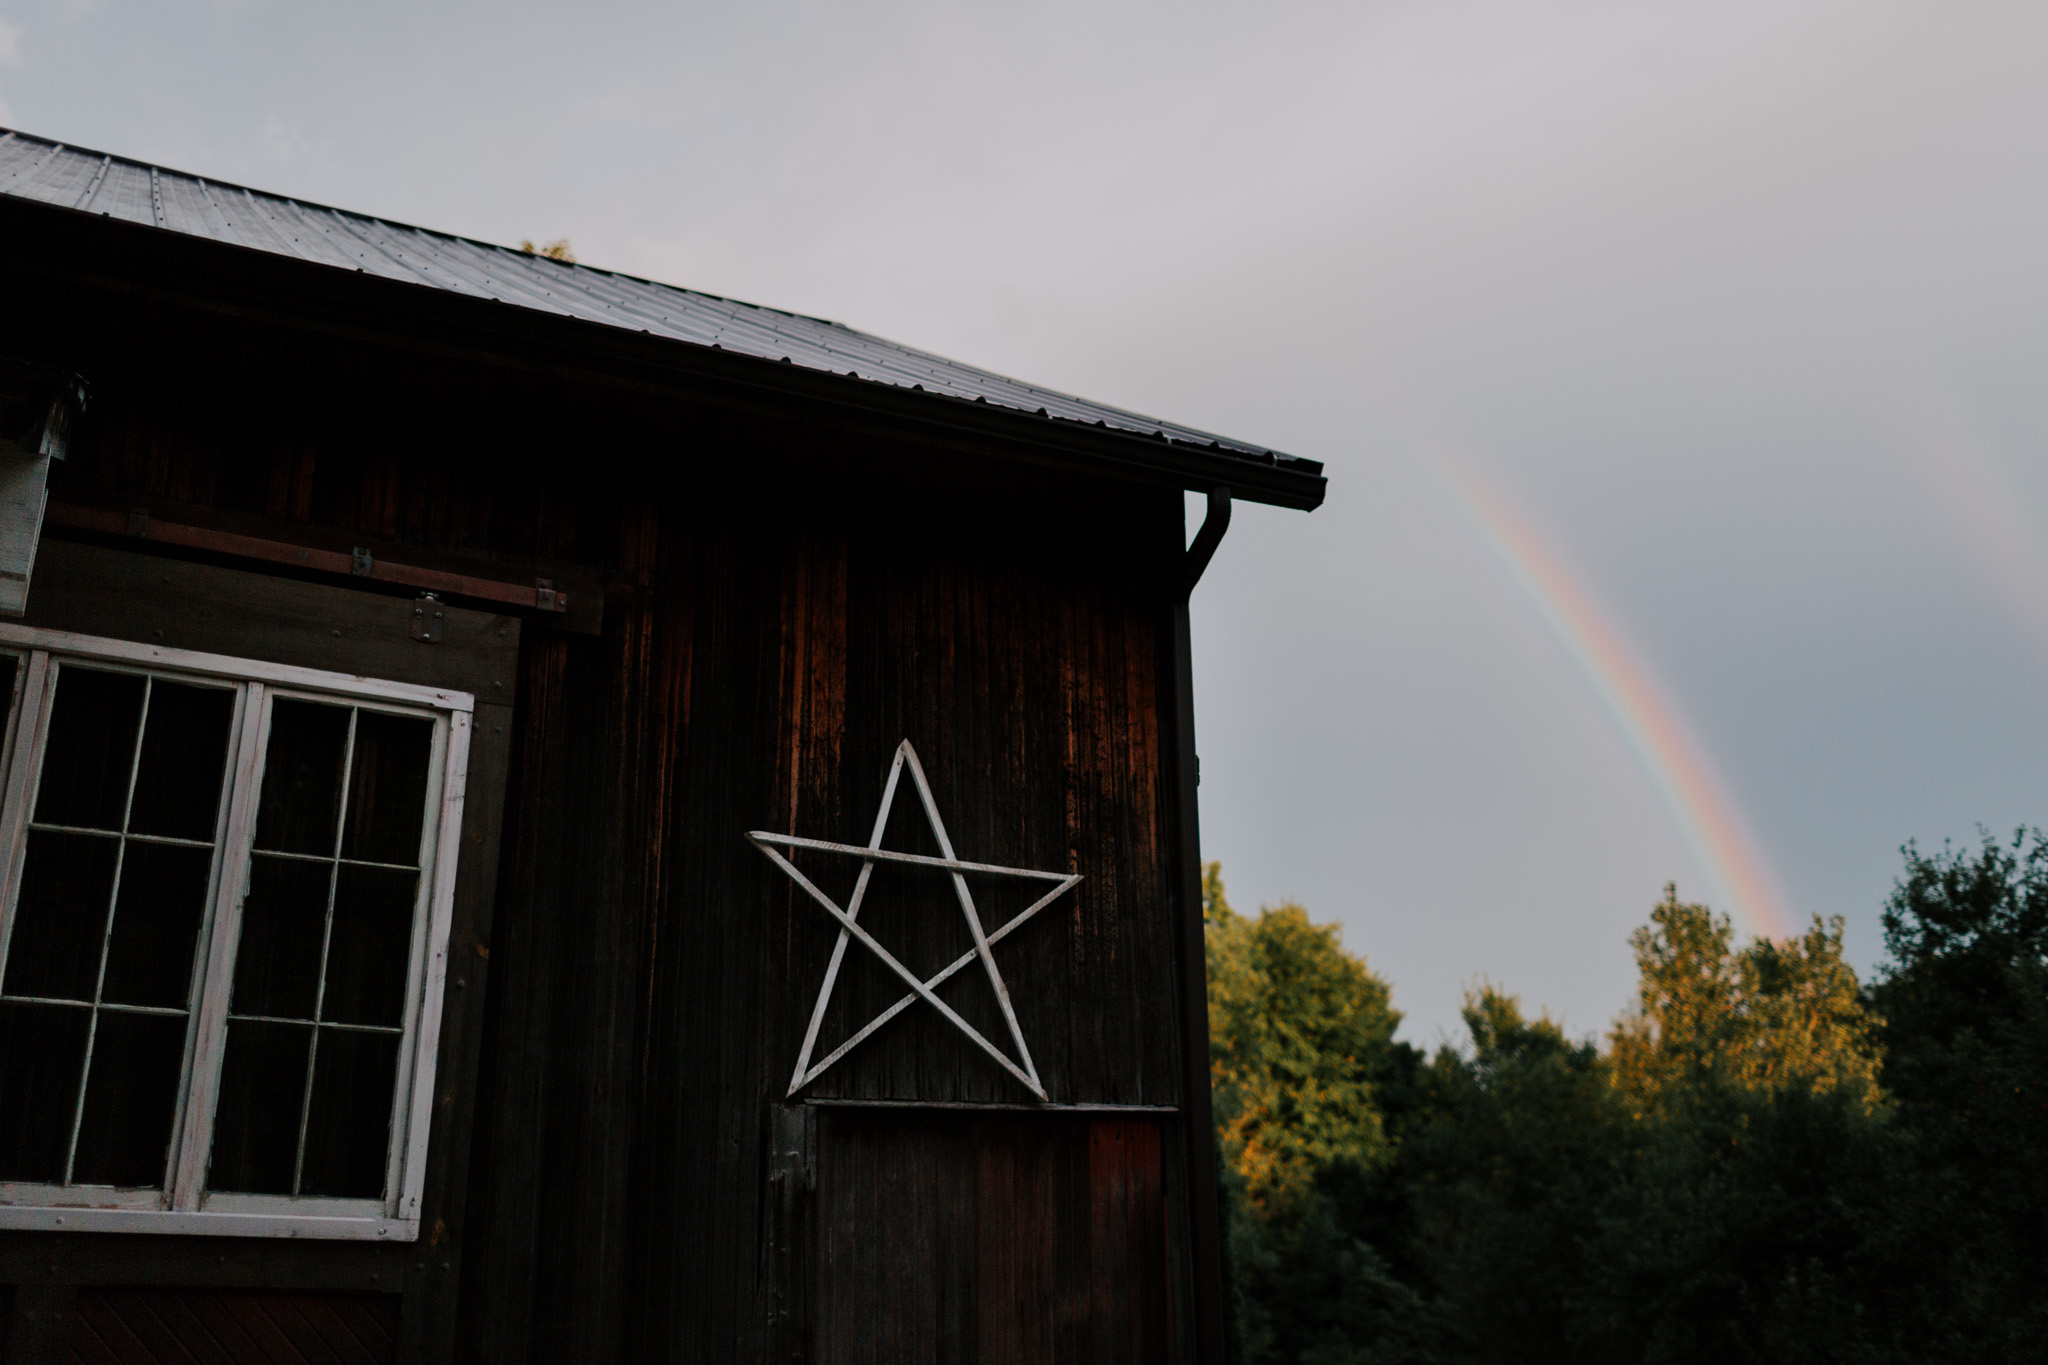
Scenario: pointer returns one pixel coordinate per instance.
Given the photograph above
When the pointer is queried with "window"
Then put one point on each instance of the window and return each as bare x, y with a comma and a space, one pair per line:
225, 890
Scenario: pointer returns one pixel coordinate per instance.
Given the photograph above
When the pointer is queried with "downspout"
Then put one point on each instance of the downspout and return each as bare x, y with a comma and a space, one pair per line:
1208, 538
52, 401
1204, 1211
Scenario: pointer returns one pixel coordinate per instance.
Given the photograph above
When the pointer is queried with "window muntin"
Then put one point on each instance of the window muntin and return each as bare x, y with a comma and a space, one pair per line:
95, 994
316, 1011
224, 936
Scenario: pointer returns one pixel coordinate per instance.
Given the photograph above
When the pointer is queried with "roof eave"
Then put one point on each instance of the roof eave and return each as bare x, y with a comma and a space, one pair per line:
226, 277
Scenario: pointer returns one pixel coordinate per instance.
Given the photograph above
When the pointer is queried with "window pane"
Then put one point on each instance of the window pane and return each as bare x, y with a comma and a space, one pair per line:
277, 963
125, 1136
387, 800
184, 757
156, 923
61, 916
370, 947
301, 799
256, 1121
42, 1048
349, 1125
91, 748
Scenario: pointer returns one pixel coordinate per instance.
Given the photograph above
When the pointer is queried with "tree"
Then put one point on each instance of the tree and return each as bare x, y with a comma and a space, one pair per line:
1767, 1018
1697, 1192
1303, 1060
1965, 1006
1300, 1035
1509, 1170
1765, 1163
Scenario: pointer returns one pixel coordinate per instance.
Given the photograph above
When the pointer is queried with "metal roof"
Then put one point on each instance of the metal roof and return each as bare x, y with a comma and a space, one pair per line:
49, 172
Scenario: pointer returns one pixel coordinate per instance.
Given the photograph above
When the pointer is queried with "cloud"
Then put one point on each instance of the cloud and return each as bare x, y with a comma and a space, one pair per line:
10, 55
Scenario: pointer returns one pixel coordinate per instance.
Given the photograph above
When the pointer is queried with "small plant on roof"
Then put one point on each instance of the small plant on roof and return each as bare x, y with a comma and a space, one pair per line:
557, 250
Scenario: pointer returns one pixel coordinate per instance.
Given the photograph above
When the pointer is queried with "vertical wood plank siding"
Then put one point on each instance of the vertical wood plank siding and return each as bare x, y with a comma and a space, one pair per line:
989, 1241
783, 606
233, 1327
657, 973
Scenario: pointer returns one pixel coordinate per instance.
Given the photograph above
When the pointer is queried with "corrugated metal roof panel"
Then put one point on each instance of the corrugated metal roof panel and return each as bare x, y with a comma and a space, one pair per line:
71, 177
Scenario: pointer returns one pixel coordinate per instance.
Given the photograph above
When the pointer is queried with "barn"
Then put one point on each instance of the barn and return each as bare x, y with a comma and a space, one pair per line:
550, 817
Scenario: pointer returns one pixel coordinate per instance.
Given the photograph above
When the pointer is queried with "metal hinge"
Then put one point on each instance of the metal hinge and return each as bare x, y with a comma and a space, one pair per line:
426, 618
546, 598
360, 562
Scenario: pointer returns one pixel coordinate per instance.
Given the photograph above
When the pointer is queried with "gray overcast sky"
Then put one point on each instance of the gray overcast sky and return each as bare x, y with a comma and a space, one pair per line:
1731, 313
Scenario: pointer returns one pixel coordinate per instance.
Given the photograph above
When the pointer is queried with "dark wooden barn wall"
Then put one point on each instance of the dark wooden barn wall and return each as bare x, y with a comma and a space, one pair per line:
232, 1327
654, 973
650, 974
988, 1240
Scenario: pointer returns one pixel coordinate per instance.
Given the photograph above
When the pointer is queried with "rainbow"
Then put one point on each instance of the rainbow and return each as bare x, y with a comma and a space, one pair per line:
1706, 817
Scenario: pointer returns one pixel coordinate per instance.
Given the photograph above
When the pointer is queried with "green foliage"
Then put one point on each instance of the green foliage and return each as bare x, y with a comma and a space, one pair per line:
1299, 1034
1750, 1077
1764, 1163
1965, 1001
1303, 1058
1506, 1168
1771, 1018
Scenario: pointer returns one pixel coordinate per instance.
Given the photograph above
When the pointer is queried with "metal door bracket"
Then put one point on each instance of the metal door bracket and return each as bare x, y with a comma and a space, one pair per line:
426, 618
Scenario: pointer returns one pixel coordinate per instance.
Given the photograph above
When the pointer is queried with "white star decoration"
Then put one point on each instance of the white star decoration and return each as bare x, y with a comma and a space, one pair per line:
849, 927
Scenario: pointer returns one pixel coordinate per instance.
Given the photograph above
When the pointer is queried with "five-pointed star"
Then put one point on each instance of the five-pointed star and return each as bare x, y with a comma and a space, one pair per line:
849, 927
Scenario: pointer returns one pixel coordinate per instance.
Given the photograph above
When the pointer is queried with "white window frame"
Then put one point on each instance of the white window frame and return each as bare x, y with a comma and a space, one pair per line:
183, 1205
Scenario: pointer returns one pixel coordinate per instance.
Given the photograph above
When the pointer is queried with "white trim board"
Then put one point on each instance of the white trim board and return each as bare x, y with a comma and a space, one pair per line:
352, 685
205, 1224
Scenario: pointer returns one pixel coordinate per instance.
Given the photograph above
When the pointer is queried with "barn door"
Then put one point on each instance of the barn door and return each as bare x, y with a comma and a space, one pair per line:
987, 1238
